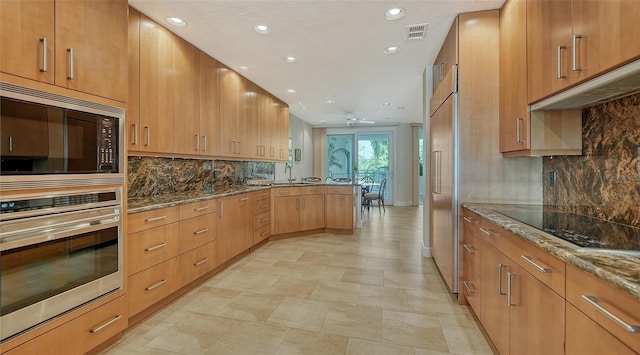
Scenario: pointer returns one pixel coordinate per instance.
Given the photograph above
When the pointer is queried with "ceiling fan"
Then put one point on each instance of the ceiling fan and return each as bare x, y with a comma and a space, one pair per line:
354, 120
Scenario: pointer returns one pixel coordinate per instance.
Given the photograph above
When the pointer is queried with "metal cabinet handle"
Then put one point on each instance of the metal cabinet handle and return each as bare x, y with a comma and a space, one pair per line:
263, 207
239, 147
200, 262
297, 203
509, 275
559, 55
533, 263
436, 182
201, 231
197, 142
518, 128
500, 266
469, 248
221, 210
574, 52
147, 131
243, 199
156, 247
108, 323
11, 143
204, 138
490, 234
156, 285
469, 220
155, 219
201, 208
467, 285
71, 75
135, 133
43, 40
593, 302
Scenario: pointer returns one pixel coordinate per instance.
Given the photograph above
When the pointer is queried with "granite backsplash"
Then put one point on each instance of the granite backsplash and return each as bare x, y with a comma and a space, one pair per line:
149, 176
605, 181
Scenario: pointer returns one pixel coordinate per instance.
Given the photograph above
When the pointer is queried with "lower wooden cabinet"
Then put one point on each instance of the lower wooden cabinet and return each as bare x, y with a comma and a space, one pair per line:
298, 209
197, 262
152, 246
81, 334
586, 337
338, 207
152, 285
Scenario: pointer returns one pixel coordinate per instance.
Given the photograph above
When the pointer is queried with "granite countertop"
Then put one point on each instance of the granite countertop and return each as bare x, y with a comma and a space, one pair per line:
619, 270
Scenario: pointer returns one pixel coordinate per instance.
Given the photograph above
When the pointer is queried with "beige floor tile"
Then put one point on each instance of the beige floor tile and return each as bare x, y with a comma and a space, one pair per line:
293, 288
363, 276
385, 264
354, 321
302, 342
301, 314
415, 330
129, 348
348, 260
316, 257
251, 306
250, 338
246, 281
207, 300
384, 298
366, 347
335, 291
404, 280
433, 302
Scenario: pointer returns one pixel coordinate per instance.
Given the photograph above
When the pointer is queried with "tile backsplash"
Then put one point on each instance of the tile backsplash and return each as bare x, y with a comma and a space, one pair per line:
605, 181
148, 176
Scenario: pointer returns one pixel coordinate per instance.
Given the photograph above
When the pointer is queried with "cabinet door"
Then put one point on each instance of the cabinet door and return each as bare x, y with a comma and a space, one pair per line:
609, 33
339, 211
267, 124
584, 336
286, 214
97, 33
248, 122
156, 87
242, 209
514, 114
283, 130
447, 57
535, 313
495, 312
548, 34
229, 81
133, 100
225, 229
186, 97
25, 27
209, 105
151, 247
311, 212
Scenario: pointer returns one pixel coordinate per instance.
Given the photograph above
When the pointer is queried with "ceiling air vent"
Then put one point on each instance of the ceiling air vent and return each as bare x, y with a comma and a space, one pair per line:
416, 31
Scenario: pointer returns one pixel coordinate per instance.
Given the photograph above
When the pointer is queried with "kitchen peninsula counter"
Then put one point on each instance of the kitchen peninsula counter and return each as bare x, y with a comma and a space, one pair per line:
619, 270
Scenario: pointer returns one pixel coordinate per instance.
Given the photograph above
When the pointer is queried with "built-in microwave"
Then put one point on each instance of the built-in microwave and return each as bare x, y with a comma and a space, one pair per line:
56, 140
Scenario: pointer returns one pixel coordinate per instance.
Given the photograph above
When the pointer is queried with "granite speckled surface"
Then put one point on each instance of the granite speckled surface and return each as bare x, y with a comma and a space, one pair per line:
604, 182
620, 271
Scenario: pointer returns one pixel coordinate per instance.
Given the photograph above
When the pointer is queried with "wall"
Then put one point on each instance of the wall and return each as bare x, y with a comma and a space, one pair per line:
301, 134
605, 181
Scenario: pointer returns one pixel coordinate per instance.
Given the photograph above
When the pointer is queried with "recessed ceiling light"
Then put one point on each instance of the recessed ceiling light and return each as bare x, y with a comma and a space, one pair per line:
392, 50
176, 21
289, 59
386, 103
291, 91
243, 68
262, 29
394, 13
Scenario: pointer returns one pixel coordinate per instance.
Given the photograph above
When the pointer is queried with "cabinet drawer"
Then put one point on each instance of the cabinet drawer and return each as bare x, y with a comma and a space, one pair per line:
195, 209
286, 191
262, 220
197, 262
584, 336
472, 252
261, 234
82, 334
197, 231
262, 205
594, 298
152, 246
311, 190
149, 219
471, 289
340, 190
152, 285
262, 194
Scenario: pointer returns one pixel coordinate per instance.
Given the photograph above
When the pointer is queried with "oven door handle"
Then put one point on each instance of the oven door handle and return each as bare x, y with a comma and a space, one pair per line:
44, 232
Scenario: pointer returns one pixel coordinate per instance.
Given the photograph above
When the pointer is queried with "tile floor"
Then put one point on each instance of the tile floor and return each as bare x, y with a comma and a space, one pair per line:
366, 293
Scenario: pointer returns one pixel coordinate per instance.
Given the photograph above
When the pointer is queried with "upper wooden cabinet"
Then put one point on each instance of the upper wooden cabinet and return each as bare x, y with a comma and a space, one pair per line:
447, 57
524, 133
230, 144
186, 97
571, 41
209, 105
72, 44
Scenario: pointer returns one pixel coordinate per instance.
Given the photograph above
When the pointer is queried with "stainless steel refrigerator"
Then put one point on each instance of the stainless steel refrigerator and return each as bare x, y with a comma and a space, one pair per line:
444, 185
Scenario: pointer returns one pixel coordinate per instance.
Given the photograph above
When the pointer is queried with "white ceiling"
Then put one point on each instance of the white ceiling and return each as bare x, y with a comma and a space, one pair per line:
339, 46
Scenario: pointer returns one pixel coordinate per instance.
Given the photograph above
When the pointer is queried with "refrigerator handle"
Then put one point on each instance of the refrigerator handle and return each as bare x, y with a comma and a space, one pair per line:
436, 172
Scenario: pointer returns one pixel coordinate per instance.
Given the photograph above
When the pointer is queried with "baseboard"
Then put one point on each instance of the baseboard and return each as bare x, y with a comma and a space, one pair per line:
403, 203
426, 251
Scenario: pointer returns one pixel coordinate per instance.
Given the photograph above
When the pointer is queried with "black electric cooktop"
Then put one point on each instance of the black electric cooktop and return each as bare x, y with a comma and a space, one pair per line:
587, 233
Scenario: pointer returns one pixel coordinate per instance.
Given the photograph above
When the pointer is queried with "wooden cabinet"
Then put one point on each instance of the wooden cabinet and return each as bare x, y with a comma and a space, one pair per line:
298, 209
249, 110
155, 132
585, 337
151, 285
72, 44
152, 246
471, 251
571, 41
186, 98
494, 309
447, 57
81, 334
523, 133
209, 105
282, 133
197, 231
133, 101
230, 137
261, 216
339, 210
197, 262
235, 226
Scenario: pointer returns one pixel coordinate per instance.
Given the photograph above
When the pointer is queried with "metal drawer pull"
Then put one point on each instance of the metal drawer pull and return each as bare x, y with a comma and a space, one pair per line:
156, 285
264, 219
148, 135
198, 263
44, 54
487, 232
135, 133
469, 220
509, 274
574, 51
469, 248
156, 247
201, 208
11, 143
201, 231
264, 233
533, 263
204, 138
71, 75
197, 142
500, 266
244, 199
264, 206
155, 219
468, 287
100, 327
559, 54
593, 301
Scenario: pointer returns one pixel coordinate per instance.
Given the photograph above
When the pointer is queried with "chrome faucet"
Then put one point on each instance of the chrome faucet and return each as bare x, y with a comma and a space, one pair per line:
287, 166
